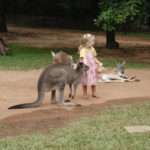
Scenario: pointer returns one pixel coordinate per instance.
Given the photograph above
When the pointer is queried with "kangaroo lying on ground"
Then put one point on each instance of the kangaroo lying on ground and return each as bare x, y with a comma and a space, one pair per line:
55, 77
117, 76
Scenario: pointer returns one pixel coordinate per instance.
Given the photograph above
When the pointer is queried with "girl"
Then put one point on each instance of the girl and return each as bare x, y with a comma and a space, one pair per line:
88, 56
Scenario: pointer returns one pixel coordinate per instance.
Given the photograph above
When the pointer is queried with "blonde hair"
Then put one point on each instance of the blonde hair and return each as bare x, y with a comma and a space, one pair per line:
87, 40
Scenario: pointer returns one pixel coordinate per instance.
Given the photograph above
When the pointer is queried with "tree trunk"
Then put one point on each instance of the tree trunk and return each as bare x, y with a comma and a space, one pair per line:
110, 40
3, 24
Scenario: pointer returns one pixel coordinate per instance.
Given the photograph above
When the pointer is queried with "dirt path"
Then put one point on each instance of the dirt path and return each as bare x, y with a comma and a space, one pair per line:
64, 38
20, 86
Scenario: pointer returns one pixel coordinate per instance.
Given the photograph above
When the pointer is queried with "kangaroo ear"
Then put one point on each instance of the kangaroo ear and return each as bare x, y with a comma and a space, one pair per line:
79, 65
124, 62
75, 66
53, 54
71, 57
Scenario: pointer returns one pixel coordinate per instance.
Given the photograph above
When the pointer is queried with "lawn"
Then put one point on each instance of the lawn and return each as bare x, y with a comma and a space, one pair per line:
105, 131
111, 63
142, 35
25, 58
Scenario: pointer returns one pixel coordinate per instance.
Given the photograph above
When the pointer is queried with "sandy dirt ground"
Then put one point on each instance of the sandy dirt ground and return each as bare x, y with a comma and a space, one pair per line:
20, 87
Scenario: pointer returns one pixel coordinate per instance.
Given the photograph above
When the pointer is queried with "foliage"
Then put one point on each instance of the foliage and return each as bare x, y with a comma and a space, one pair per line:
81, 12
145, 15
115, 12
51, 8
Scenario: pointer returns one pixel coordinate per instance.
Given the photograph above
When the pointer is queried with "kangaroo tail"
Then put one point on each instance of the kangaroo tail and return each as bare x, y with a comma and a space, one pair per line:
26, 105
36, 103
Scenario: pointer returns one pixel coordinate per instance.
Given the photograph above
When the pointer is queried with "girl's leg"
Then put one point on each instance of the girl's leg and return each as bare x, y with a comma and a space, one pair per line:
84, 90
93, 89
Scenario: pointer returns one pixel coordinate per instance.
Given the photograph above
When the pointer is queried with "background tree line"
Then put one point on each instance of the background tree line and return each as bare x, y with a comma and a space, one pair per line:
79, 11
109, 15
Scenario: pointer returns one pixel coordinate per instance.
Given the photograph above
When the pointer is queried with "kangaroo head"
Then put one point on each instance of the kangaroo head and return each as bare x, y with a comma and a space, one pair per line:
62, 58
120, 68
81, 67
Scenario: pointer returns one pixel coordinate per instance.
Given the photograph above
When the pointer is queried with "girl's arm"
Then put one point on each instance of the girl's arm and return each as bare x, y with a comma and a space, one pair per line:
82, 55
98, 62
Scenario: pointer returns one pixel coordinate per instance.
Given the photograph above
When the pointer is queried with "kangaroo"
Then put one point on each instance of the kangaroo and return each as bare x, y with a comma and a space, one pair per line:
3, 47
62, 57
55, 77
118, 75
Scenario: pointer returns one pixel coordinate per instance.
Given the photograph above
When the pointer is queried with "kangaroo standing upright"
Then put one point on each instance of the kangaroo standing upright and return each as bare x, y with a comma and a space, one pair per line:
55, 77
61, 57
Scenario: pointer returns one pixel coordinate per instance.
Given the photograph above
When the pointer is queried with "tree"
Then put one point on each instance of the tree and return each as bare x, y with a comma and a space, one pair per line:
114, 13
145, 15
3, 24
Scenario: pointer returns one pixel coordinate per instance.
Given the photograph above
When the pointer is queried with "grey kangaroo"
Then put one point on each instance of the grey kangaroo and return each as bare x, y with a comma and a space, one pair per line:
55, 77
62, 57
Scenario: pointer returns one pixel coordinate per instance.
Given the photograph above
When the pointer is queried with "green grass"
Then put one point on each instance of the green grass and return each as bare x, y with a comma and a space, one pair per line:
105, 131
111, 62
26, 58
143, 35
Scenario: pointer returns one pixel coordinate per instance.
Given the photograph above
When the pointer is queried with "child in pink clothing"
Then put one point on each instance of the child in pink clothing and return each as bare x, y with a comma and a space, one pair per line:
88, 56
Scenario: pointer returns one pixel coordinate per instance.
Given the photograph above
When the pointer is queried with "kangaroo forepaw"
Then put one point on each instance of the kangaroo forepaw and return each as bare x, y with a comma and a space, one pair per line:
70, 95
67, 101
